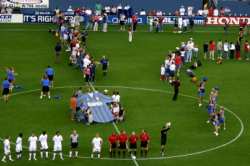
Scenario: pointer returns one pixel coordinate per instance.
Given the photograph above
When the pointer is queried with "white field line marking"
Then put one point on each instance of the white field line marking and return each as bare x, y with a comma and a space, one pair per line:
160, 91
117, 130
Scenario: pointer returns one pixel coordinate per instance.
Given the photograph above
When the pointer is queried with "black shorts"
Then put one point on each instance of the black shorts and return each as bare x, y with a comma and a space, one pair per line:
45, 89
104, 67
133, 146
6, 91
122, 146
113, 146
74, 145
122, 22
163, 141
144, 144
50, 77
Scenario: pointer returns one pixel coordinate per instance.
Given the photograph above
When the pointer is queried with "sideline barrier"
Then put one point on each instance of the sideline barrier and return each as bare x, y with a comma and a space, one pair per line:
11, 18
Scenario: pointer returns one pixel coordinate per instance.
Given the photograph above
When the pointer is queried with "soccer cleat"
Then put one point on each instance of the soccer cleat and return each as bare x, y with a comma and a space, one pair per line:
200, 104
208, 121
34, 158
41, 97
29, 159
49, 97
62, 158
11, 160
3, 160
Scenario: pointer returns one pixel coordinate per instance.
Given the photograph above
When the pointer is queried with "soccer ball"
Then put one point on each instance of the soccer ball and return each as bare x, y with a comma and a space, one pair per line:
133, 157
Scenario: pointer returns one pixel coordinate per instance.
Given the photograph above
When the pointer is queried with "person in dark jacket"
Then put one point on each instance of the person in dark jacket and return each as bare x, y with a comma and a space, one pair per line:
176, 84
58, 49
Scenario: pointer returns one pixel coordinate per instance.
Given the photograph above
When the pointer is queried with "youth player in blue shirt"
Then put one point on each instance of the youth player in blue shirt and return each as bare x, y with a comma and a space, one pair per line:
5, 89
105, 63
11, 77
50, 74
201, 90
45, 87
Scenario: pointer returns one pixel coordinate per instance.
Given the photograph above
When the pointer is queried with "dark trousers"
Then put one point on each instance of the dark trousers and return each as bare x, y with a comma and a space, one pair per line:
176, 91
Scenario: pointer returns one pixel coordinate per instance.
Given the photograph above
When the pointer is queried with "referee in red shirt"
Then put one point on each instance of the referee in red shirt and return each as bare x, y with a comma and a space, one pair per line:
112, 144
122, 138
144, 137
133, 143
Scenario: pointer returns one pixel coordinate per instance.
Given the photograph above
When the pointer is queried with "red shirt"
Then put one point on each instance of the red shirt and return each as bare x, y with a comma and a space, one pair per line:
144, 137
112, 139
178, 60
134, 19
246, 47
123, 138
212, 46
133, 139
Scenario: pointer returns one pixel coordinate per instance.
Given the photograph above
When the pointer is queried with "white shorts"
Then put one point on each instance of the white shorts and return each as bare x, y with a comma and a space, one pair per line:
96, 149
19, 148
6, 152
57, 148
32, 148
44, 146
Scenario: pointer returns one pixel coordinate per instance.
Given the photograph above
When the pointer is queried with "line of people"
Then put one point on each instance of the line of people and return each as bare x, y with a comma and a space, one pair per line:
119, 144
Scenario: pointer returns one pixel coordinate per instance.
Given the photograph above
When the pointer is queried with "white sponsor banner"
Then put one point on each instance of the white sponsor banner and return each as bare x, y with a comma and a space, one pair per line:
26, 3
11, 18
228, 20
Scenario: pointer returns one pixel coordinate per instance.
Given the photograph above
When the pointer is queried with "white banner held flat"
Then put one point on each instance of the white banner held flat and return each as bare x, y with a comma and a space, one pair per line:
26, 3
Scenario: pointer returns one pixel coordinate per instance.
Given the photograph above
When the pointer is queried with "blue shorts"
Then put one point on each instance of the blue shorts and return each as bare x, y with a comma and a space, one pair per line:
216, 123
201, 94
210, 111
221, 120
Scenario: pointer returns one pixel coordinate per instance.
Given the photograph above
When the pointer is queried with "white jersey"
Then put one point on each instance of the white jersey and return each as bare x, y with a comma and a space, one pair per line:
43, 139
162, 70
97, 143
74, 138
57, 139
32, 143
6, 146
182, 11
19, 144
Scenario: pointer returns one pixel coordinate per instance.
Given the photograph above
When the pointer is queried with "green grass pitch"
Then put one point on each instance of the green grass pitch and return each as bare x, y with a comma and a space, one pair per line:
29, 48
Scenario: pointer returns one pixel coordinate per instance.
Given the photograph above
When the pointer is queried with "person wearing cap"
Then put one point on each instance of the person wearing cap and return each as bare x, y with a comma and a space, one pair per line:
201, 90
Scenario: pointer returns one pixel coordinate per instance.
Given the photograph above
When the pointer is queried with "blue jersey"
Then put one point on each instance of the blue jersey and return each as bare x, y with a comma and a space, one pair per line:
6, 84
45, 82
104, 62
10, 75
49, 71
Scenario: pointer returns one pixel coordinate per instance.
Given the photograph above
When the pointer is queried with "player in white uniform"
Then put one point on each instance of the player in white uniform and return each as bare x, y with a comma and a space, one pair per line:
130, 35
96, 146
6, 147
74, 137
57, 139
32, 146
43, 139
19, 146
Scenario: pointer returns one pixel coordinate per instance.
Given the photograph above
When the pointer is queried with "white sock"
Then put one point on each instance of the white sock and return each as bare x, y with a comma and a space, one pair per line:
76, 153
10, 158
92, 155
47, 154
41, 153
70, 153
34, 156
4, 157
54, 156
61, 155
98, 155
30, 155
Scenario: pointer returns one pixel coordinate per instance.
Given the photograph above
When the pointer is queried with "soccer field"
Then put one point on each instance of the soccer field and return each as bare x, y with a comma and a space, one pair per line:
134, 72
